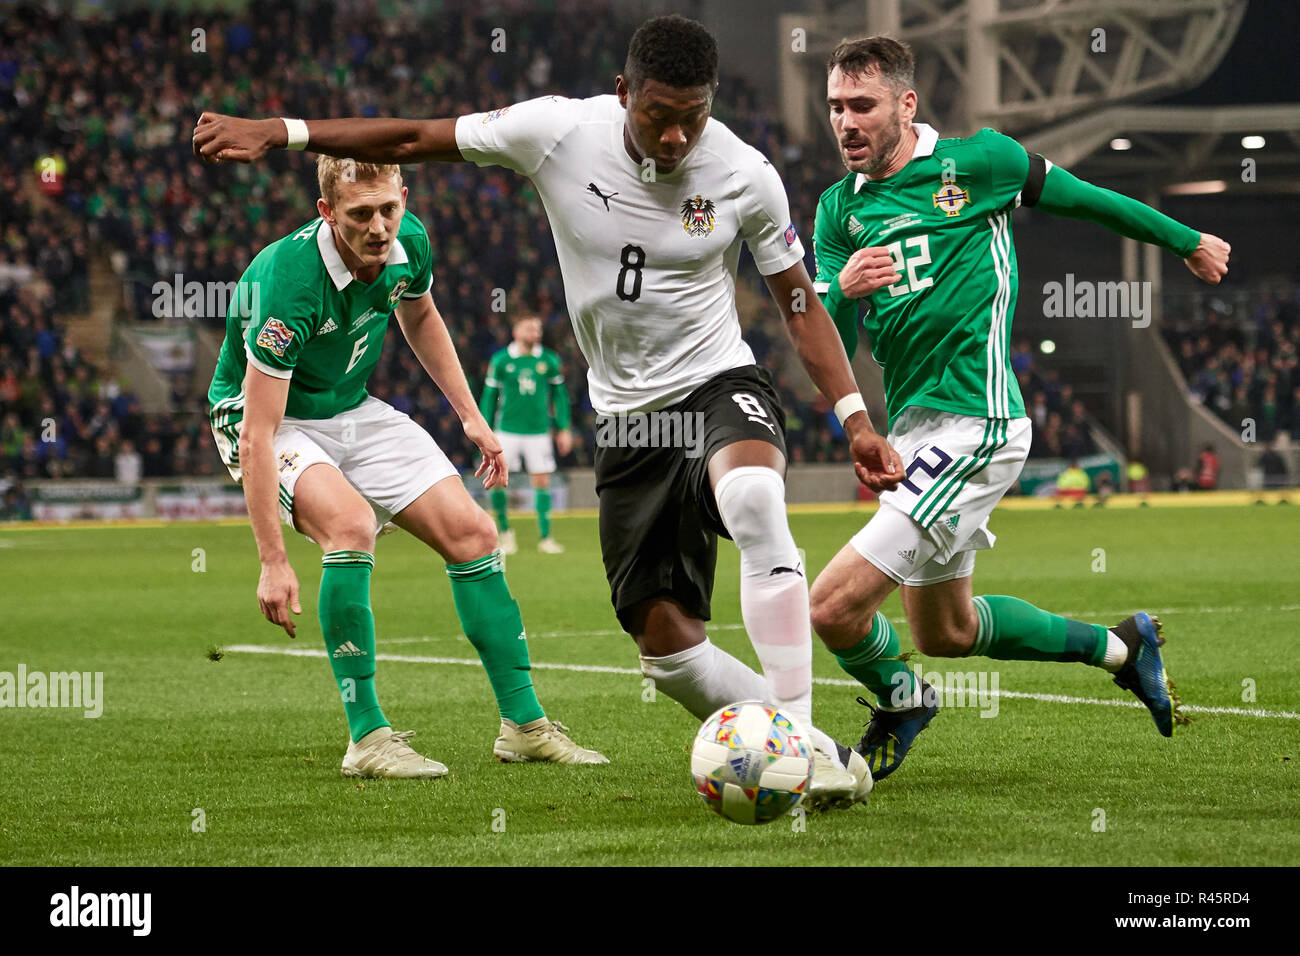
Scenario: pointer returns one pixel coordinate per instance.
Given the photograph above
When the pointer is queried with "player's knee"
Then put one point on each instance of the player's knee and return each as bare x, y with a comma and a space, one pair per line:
751, 501
839, 616
353, 530
474, 536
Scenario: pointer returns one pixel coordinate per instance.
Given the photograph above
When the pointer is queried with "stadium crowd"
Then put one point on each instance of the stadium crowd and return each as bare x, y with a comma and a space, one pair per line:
114, 103
1245, 368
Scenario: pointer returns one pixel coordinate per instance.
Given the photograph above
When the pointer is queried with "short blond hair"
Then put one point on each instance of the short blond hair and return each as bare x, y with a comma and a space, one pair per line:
331, 170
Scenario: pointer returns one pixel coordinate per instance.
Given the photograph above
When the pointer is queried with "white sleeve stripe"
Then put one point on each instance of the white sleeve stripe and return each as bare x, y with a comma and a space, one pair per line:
257, 363
491, 383
821, 288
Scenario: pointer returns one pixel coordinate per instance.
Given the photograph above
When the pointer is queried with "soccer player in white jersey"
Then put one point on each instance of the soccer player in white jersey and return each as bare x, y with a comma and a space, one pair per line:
649, 200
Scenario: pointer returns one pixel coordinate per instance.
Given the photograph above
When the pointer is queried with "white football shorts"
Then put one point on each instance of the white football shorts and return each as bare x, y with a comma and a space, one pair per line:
958, 468
537, 452
382, 453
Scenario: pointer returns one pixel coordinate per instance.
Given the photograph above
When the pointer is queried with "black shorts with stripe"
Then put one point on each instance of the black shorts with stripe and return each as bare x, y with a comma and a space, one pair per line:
659, 523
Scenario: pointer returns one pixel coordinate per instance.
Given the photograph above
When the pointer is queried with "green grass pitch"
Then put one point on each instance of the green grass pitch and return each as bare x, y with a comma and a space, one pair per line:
254, 740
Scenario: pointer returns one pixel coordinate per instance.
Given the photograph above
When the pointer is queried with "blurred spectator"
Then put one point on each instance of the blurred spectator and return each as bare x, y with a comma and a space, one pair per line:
1073, 482
1139, 478
1207, 469
1274, 467
15, 505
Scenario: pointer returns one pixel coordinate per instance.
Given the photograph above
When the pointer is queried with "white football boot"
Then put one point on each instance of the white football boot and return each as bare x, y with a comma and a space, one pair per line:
540, 740
833, 787
383, 753
506, 542
550, 546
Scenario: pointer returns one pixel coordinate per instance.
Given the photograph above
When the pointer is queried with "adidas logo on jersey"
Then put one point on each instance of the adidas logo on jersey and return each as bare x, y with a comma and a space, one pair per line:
952, 522
909, 555
855, 227
348, 649
329, 326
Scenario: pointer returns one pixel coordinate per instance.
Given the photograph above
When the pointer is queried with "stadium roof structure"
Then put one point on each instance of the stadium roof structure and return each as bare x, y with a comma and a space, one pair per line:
1181, 149
1022, 65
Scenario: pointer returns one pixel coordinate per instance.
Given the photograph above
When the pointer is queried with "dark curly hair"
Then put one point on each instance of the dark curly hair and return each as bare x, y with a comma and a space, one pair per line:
891, 58
674, 51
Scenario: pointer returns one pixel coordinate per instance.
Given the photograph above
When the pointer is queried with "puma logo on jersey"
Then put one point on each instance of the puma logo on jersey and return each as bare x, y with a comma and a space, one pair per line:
329, 326
592, 188
768, 425
855, 227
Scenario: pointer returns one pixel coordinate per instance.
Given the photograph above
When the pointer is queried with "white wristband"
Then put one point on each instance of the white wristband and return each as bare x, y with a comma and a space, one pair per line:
849, 405
297, 131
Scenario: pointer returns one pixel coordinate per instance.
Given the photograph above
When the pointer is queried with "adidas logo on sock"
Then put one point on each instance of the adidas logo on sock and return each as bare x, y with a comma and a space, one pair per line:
348, 649
855, 227
329, 326
909, 555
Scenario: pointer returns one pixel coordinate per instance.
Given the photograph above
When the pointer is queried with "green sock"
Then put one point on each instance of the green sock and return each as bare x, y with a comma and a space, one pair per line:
492, 623
874, 662
499, 501
1014, 630
348, 625
543, 499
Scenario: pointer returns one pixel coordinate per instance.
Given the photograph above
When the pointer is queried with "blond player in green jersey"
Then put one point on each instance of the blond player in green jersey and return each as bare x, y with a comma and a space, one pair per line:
919, 233
295, 426
524, 383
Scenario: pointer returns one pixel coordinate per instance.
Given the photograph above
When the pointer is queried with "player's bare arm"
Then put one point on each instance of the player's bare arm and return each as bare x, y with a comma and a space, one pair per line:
425, 330
264, 401
820, 350
221, 138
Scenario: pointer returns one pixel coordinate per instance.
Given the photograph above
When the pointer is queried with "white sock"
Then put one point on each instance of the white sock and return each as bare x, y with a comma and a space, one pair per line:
773, 588
1116, 652
704, 678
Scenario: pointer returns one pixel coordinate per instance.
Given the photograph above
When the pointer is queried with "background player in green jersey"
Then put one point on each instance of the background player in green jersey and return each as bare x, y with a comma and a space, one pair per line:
919, 233
527, 379
295, 426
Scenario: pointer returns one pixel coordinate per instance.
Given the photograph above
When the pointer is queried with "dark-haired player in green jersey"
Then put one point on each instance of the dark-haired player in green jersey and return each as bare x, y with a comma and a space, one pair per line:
295, 426
524, 382
919, 233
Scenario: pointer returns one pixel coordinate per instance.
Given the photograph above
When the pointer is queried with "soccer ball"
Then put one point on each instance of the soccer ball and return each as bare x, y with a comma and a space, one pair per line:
751, 763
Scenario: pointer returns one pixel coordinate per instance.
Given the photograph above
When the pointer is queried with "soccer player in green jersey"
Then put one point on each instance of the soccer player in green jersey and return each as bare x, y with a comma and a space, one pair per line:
919, 232
295, 426
528, 380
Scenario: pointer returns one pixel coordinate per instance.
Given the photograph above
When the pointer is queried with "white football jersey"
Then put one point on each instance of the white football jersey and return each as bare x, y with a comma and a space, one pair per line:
649, 267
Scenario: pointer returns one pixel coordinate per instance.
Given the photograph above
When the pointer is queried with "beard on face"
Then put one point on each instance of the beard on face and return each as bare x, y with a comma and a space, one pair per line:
880, 157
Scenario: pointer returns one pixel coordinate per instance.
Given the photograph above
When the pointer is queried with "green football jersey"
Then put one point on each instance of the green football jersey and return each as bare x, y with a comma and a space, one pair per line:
941, 333
299, 314
526, 385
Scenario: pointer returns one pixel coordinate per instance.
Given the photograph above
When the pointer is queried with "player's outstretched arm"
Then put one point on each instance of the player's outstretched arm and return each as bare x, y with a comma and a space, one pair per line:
818, 345
264, 400
427, 333
221, 138
1064, 194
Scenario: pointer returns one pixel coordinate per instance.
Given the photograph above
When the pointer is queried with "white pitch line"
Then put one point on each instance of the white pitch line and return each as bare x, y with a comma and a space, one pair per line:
1076, 615
825, 681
